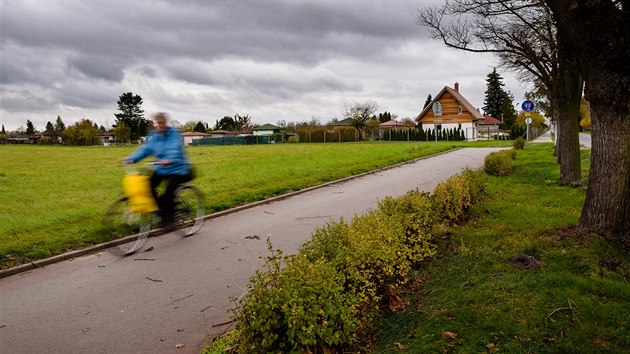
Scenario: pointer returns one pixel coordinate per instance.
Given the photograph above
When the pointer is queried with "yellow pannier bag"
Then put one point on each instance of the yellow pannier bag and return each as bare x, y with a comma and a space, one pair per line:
137, 189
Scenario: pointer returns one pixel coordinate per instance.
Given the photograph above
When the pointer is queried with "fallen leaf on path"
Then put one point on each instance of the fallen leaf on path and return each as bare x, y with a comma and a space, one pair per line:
180, 345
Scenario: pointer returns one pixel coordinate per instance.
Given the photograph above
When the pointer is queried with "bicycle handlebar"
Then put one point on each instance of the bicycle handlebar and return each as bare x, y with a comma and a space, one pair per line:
130, 167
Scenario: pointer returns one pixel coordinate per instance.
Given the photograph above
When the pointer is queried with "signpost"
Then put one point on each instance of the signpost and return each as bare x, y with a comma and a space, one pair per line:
437, 111
527, 107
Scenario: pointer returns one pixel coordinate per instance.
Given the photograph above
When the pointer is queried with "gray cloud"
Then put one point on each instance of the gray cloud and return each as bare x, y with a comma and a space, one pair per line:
282, 59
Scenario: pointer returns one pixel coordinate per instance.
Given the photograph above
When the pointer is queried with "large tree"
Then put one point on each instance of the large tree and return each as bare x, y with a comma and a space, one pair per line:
360, 113
597, 37
82, 133
132, 115
522, 34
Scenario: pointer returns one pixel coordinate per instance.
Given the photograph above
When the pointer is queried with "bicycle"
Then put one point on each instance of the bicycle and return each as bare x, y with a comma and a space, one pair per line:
139, 215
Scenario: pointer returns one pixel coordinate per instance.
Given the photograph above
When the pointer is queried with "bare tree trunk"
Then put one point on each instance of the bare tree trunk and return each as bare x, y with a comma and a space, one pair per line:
607, 203
568, 93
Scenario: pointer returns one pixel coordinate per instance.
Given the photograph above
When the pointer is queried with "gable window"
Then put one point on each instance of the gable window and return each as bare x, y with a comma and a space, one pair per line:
459, 109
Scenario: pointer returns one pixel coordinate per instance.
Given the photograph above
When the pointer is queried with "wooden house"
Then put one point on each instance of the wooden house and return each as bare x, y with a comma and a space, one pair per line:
457, 112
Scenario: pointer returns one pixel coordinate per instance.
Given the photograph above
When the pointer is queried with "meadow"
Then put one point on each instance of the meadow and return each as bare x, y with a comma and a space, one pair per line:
53, 198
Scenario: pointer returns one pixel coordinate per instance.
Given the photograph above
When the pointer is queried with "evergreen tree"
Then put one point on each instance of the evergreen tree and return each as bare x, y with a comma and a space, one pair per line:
200, 127
132, 115
495, 95
30, 128
3, 131
60, 128
50, 130
508, 113
428, 101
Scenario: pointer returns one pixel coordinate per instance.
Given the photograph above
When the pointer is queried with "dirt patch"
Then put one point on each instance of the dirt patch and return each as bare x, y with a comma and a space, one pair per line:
523, 261
580, 234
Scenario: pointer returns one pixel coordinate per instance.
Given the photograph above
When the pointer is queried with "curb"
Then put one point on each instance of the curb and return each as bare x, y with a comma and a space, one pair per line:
93, 249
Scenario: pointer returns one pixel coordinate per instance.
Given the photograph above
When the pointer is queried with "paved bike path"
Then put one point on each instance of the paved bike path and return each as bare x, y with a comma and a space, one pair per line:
173, 297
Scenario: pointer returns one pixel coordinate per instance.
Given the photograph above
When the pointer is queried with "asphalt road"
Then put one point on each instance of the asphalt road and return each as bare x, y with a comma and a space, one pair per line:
585, 139
177, 295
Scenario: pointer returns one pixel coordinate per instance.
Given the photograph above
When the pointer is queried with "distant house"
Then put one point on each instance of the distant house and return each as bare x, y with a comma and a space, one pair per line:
107, 138
396, 124
266, 129
488, 125
190, 136
457, 112
23, 139
343, 123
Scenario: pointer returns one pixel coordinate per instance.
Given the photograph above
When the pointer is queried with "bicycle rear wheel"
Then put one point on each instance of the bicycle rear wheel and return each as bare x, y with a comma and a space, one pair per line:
189, 209
120, 222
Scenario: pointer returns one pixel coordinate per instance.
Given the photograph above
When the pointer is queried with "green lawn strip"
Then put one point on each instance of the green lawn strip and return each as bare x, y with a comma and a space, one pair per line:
471, 300
53, 197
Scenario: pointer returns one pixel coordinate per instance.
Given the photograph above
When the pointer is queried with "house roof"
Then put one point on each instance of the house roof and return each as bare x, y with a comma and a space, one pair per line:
391, 123
458, 97
344, 122
194, 134
267, 127
489, 120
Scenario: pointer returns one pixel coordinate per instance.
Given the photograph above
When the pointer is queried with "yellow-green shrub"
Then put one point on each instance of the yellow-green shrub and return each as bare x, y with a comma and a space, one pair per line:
477, 181
499, 163
414, 213
452, 197
297, 306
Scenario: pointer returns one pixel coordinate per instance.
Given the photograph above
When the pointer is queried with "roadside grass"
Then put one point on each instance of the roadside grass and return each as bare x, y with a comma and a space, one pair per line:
470, 300
53, 198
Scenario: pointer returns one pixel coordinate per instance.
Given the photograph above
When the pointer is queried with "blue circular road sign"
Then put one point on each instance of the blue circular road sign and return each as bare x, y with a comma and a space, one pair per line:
527, 106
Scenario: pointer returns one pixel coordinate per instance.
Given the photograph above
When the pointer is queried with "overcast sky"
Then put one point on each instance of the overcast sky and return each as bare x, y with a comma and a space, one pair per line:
202, 60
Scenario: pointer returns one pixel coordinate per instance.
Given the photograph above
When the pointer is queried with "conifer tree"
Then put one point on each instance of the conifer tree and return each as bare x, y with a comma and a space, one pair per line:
428, 101
495, 95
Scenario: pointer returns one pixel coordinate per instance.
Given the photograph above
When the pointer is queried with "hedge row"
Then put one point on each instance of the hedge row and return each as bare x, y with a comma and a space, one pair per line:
321, 299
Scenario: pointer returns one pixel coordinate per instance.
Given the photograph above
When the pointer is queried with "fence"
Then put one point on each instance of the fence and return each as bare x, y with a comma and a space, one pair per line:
233, 140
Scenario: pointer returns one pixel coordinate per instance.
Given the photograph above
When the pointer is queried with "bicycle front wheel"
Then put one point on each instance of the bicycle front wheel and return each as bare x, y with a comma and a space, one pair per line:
120, 221
189, 209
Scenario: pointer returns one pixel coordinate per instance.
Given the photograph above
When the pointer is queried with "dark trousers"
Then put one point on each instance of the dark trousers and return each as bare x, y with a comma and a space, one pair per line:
166, 201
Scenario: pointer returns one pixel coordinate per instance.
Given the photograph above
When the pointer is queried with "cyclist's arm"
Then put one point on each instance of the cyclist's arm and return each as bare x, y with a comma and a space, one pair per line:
143, 151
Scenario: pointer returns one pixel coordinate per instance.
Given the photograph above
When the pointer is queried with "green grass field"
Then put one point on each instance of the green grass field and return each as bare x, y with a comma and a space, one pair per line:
470, 300
53, 197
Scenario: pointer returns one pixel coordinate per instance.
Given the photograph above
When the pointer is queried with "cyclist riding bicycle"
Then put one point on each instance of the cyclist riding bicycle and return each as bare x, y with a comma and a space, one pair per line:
172, 165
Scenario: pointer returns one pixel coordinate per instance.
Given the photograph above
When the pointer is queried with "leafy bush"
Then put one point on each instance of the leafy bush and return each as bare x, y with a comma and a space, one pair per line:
499, 163
477, 181
296, 306
452, 197
414, 213
519, 143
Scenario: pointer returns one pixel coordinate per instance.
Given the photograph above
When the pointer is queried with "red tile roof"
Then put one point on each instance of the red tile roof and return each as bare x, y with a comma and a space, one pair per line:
489, 120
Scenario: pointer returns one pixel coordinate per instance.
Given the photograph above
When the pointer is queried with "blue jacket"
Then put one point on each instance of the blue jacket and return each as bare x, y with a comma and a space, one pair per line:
167, 146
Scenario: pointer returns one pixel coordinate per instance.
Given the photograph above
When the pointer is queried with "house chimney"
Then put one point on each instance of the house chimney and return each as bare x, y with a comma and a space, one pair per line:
457, 86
